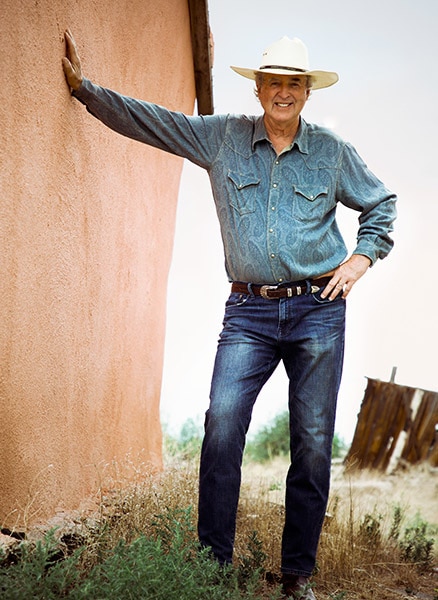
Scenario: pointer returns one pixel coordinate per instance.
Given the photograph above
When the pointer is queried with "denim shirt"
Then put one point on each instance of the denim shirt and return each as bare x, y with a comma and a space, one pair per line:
277, 213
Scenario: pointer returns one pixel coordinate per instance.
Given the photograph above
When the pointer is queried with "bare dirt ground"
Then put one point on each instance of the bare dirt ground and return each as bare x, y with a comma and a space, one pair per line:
413, 489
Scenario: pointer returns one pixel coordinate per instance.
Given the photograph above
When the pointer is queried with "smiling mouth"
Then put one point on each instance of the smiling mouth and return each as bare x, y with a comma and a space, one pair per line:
283, 104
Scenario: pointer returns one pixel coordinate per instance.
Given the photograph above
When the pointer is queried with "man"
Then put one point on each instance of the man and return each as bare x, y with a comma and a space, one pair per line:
276, 182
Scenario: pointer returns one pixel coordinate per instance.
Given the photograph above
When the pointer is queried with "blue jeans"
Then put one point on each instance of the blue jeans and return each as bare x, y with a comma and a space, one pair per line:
307, 334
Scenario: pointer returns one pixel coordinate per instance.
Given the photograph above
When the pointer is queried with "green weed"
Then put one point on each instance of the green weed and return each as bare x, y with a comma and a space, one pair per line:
416, 546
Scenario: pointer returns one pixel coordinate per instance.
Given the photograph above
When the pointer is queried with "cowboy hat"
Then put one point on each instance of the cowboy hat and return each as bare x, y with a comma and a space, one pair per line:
289, 57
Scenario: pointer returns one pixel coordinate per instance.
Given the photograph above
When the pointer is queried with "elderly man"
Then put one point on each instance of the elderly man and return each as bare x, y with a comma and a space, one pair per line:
276, 182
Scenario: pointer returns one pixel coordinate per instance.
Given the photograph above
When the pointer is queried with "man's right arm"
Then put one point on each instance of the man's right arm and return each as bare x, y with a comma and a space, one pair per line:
196, 138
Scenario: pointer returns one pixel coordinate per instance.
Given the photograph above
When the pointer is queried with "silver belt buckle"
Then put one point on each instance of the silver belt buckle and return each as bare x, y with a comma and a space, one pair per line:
264, 291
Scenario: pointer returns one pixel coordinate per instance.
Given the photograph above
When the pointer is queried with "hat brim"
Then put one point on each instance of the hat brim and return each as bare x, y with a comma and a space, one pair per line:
320, 79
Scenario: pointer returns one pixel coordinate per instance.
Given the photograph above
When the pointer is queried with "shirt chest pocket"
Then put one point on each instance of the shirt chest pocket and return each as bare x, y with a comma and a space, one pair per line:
309, 203
243, 189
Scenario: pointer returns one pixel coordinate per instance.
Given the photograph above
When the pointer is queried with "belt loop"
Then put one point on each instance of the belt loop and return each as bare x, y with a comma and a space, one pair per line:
250, 292
308, 287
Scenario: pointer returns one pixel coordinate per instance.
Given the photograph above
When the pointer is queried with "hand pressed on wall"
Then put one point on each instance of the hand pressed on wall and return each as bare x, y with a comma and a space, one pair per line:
72, 63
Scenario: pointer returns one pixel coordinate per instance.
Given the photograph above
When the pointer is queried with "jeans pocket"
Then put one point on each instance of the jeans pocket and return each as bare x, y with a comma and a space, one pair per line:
317, 298
236, 299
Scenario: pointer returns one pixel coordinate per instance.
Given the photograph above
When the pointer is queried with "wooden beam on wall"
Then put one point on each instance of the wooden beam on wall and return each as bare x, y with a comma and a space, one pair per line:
202, 55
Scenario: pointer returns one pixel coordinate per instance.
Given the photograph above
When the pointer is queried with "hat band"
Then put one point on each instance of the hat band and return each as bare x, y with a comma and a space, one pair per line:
283, 67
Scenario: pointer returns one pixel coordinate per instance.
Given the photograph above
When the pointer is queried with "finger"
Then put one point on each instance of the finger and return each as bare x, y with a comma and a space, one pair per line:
346, 290
337, 289
329, 288
72, 51
66, 65
68, 41
69, 70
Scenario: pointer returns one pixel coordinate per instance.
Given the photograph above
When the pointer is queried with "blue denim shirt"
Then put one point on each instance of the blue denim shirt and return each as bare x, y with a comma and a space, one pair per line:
277, 213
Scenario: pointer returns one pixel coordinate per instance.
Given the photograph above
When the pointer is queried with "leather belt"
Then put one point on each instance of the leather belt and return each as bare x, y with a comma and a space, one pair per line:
285, 290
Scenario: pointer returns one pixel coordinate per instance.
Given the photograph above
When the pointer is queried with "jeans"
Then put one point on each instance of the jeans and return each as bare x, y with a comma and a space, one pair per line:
307, 334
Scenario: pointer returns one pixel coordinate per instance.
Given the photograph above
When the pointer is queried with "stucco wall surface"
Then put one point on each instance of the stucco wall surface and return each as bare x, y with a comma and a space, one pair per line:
86, 230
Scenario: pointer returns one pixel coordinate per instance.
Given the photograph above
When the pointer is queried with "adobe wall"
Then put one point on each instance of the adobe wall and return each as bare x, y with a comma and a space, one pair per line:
86, 230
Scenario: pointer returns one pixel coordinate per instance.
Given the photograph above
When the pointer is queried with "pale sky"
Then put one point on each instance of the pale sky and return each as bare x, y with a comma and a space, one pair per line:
385, 104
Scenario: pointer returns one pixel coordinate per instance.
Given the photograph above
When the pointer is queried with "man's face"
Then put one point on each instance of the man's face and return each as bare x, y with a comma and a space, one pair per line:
283, 97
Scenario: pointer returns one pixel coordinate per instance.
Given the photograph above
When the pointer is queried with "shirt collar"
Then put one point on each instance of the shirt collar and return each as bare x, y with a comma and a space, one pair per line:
301, 138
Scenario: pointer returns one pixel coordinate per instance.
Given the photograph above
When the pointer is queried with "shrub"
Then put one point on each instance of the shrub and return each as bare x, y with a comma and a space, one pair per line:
141, 543
416, 546
273, 440
166, 564
41, 572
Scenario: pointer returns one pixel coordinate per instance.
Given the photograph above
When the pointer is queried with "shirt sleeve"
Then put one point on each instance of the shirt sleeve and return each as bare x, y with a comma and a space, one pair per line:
358, 188
197, 138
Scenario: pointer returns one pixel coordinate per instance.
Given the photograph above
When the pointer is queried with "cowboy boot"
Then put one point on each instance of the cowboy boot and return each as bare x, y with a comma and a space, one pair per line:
297, 587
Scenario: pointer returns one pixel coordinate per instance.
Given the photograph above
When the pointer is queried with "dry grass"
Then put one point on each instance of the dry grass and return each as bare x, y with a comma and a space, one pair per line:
358, 558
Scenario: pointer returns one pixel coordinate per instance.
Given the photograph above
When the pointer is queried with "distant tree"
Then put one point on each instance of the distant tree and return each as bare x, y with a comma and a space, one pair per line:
273, 440
187, 444
191, 433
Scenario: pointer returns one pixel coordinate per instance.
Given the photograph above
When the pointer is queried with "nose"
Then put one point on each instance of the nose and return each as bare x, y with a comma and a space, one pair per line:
284, 90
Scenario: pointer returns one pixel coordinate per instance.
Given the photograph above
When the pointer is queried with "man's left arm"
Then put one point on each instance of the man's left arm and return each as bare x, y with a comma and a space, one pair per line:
358, 188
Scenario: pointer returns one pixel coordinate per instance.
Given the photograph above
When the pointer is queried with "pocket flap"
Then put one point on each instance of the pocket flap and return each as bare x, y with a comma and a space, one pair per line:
310, 192
242, 180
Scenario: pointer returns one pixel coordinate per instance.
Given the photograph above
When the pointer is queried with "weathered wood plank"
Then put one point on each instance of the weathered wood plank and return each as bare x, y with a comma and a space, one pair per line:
386, 411
422, 434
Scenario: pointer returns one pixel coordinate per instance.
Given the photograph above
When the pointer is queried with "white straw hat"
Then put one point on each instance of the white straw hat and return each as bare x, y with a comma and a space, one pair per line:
289, 57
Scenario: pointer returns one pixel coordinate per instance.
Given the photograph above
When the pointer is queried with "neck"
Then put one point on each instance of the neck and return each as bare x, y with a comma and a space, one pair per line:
281, 135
